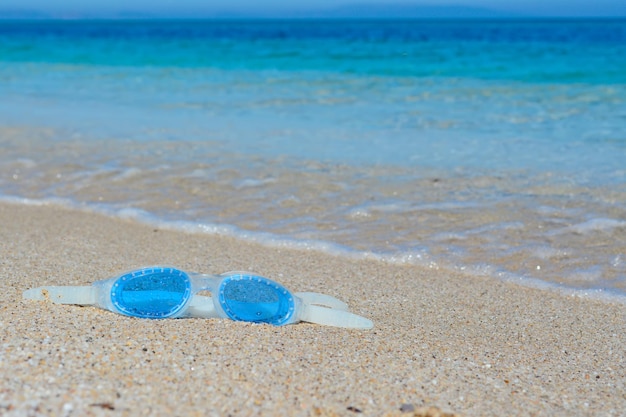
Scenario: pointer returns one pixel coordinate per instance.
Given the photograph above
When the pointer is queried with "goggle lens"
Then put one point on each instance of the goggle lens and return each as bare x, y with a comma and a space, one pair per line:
256, 299
151, 293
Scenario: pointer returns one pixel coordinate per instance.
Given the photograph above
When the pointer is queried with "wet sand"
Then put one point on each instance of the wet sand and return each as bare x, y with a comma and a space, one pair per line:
463, 344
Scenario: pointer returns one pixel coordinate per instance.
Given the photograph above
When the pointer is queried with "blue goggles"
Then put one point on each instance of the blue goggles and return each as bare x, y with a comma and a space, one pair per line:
164, 292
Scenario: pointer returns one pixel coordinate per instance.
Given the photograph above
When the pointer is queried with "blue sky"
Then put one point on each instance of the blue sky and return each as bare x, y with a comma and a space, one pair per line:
569, 8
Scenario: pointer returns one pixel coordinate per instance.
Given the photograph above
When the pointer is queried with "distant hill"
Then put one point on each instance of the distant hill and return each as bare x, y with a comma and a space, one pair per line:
39, 15
372, 11
23, 14
407, 11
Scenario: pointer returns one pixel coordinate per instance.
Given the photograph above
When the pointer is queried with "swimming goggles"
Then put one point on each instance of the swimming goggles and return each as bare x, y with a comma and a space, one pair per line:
164, 292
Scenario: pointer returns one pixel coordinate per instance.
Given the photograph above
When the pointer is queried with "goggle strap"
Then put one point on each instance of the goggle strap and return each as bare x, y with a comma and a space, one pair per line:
331, 317
63, 295
322, 300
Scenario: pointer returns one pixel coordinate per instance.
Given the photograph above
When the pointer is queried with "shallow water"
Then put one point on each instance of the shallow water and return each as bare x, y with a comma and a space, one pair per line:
492, 147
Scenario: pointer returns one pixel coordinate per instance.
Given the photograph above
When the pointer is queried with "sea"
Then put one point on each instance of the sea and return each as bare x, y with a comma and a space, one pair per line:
492, 147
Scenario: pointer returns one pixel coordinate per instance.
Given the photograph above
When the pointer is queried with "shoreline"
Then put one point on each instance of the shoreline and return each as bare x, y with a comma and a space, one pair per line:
465, 344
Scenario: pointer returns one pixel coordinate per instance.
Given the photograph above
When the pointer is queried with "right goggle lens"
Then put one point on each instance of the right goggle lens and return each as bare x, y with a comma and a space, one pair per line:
255, 299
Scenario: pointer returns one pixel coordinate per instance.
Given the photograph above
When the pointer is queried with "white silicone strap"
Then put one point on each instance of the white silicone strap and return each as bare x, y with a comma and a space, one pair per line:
336, 318
63, 295
322, 300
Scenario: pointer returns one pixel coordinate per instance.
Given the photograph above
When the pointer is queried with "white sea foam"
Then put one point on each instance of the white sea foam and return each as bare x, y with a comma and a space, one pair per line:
547, 252
359, 213
418, 257
596, 225
26, 163
253, 182
600, 294
127, 174
590, 274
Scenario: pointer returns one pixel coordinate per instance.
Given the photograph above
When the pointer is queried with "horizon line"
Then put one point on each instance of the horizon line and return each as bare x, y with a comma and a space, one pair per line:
397, 11
251, 17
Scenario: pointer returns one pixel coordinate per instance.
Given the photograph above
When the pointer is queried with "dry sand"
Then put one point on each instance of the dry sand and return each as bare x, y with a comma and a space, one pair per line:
469, 345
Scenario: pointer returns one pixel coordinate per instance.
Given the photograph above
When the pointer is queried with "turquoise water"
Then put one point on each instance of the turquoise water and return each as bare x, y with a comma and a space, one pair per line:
493, 147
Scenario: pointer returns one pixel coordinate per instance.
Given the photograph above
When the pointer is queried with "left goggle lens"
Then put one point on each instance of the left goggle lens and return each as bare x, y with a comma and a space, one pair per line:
151, 293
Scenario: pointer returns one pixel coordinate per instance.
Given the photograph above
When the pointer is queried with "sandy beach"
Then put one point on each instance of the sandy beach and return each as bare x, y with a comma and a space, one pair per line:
465, 345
